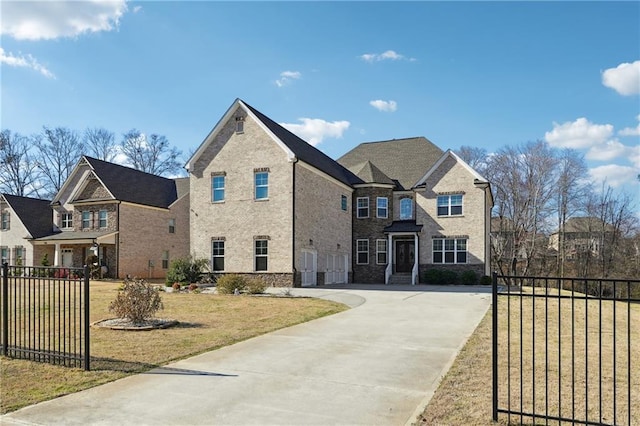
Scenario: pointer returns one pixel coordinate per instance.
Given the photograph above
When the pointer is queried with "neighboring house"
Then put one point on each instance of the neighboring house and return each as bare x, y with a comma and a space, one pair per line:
582, 236
21, 220
266, 202
418, 208
135, 222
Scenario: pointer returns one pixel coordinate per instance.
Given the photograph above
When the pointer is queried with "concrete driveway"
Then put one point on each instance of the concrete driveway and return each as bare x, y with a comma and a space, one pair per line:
376, 364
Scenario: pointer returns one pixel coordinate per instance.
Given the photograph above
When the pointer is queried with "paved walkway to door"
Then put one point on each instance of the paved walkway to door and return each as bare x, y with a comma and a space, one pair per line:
376, 364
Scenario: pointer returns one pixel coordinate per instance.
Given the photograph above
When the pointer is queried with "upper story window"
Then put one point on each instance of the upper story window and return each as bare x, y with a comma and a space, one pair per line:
239, 124
406, 209
382, 207
5, 221
261, 253
66, 220
217, 188
102, 218
362, 207
261, 185
450, 205
343, 202
86, 219
172, 226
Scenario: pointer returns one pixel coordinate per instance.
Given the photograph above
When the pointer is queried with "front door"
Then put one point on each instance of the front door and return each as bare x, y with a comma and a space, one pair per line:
405, 256
67, 257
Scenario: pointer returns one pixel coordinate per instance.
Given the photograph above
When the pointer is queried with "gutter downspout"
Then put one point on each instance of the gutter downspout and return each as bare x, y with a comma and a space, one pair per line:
293, 160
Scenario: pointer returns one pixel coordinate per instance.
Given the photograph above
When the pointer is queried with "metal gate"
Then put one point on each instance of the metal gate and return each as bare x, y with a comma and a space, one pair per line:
566, 350
45, 314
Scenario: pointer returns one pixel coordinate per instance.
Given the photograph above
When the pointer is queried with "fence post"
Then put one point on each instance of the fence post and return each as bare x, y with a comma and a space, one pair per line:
494, 342
87, 325
5, 308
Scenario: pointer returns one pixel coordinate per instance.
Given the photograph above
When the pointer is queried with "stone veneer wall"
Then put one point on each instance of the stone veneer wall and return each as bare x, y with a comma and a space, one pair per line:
372, 230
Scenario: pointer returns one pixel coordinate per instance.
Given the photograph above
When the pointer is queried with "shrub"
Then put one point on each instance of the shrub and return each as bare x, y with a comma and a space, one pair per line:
94, 266
256, 286
187, 270
440, 276
227, 284
469, 278
486, 280
137, 301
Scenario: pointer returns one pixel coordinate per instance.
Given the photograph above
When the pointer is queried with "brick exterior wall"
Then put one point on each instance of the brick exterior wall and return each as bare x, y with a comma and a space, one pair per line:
452, 178
321, 225
239, 219
144, 237
370, 229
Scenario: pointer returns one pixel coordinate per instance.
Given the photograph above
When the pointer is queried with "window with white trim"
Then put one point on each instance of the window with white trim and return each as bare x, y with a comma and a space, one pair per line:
450, 205
406, 209
102, 218
4, 254
343, 202
382, 207
172, 226
362, 204
165, 259
362, 252
261, 180
217, 188
217, 255
261, 254
5, 221
450, 250
86, 219
66, 220
239, 124
381, 252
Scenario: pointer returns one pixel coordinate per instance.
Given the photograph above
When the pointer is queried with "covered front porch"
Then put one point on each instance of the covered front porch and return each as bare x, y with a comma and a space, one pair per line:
403, 252
71, 249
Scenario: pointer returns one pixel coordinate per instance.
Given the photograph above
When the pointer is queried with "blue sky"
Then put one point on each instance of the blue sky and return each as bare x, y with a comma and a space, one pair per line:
485, 74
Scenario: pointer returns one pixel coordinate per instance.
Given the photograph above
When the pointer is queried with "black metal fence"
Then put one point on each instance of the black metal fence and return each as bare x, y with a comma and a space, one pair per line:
566, 350
45, 314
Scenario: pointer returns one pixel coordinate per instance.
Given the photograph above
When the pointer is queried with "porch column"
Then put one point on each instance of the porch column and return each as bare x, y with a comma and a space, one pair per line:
416, 261
389, 270
56, 255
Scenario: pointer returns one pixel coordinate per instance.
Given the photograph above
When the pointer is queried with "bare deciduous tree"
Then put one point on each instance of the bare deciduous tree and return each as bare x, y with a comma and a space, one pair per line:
151, 154
18, 170
473, 156
60, 150
100, 143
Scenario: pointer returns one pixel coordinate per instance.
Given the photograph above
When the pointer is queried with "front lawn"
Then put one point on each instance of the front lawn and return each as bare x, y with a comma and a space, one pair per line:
207, 322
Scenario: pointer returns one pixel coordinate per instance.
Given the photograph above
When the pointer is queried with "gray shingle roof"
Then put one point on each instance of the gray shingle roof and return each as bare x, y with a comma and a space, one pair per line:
34, 213
405, 160
306, 152
369, 173
127, 184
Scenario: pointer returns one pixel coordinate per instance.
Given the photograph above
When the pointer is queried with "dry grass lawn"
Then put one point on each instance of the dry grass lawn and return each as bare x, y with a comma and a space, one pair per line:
207, 322
465, 394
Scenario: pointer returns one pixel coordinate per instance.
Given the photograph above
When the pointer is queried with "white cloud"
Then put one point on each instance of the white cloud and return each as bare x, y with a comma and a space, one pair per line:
27, 61
578, 134
624, 79
388, 55
45, 20
314, 130
287, 76
608, 151
386, 106
631, 131
137, 9
614, 175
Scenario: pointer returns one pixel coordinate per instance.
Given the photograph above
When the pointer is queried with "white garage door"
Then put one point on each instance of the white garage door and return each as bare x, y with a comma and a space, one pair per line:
308, 267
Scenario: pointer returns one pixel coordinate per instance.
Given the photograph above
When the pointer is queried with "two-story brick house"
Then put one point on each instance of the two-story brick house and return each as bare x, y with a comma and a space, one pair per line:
21, 220
419, 208
266, 202
135, 222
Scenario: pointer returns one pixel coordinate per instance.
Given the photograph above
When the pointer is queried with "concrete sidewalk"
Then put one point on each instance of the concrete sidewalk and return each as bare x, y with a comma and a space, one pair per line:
376, 364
